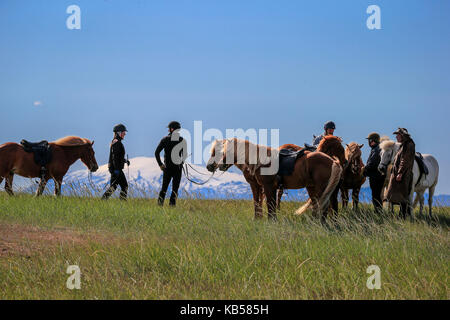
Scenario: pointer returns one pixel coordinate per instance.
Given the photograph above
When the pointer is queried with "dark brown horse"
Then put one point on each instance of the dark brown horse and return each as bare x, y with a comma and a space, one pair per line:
331, 145
280, 190
65, 151
316, 171
353, 174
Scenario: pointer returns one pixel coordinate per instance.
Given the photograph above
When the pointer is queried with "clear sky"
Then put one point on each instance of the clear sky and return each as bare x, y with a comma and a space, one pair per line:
290, 65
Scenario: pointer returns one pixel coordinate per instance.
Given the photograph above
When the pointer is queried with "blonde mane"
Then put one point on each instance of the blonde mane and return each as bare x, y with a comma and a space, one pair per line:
386, 144
72, 141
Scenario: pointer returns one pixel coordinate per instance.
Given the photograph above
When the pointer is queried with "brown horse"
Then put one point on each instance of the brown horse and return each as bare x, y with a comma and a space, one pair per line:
65, 151
353, 174
316, 171
331, 145
280, 190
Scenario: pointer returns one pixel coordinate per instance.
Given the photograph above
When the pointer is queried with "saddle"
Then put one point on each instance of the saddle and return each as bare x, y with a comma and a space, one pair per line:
423, 169
287, 159
42, 152
309, 147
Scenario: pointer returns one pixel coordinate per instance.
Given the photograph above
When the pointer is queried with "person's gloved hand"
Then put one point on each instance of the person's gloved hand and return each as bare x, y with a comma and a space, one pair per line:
162, 167
116, 172
128, 162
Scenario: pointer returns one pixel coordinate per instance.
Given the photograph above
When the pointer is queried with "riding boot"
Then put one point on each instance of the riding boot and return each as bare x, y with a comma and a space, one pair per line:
43, 172
403, 210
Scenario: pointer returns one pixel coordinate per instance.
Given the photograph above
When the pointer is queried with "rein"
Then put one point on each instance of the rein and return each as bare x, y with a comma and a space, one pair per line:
186, 173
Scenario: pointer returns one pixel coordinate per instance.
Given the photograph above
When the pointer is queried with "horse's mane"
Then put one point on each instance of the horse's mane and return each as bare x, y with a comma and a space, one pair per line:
72, 141
384, 138
328, 139
352, 146
387, 144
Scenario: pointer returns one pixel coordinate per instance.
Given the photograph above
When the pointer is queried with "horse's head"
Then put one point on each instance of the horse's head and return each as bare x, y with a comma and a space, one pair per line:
218, 159
353, 156
388, 151
332, 146
88, 157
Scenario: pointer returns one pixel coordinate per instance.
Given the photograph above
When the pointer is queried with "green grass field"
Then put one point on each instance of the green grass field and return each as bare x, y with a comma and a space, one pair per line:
211, 249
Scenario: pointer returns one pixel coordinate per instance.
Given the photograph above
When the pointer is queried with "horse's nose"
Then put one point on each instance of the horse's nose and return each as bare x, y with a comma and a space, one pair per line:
94, 168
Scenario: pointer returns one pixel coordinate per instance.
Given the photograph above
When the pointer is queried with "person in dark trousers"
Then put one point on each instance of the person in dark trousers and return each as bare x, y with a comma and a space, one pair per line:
376, 179
116, 163
173, 146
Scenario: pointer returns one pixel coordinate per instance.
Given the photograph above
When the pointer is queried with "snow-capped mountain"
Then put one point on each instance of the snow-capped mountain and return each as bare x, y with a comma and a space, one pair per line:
145, 179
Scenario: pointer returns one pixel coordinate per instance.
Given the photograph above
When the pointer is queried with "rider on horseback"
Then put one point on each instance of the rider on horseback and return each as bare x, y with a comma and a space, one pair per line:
329, 128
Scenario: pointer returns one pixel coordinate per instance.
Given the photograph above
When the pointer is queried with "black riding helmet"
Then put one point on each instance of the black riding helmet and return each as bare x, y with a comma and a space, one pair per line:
119, 128
174, 125
329, 125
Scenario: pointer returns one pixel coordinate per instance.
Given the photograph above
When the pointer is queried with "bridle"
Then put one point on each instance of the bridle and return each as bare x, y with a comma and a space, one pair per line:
355, 163
385, 165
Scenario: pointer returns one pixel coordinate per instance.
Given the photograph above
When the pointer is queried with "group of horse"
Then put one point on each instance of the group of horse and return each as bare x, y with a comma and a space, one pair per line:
323, 172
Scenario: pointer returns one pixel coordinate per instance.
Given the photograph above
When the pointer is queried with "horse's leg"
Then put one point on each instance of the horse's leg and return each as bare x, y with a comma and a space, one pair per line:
430, 199
9, 183
279, 195
334, 203
421, 199
271, 199
344, 196
314, 200
58, 183
416, 199
256, 190
355, 198
41, 186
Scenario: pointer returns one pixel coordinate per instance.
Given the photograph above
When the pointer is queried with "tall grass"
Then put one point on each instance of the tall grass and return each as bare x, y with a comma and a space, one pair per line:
214, 249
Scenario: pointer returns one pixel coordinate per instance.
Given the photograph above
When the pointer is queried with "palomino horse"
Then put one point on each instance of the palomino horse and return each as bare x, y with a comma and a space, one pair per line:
428, 181
316, 171
353, 174
65, 151
331, 145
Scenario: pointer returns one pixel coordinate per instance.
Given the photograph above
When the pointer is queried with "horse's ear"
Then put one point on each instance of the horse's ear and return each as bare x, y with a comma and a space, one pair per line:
346, 144
92, 143
361, 145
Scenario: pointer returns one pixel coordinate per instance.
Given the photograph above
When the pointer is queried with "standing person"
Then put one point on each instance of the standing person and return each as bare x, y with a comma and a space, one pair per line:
329, 128
116, 163
400, 182
376, 179
173, 161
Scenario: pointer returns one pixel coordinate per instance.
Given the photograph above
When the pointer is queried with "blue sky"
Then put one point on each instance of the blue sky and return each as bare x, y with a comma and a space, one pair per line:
290, 65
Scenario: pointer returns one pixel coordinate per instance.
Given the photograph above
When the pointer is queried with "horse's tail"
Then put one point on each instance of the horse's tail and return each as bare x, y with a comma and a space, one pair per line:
303, 208
335, 177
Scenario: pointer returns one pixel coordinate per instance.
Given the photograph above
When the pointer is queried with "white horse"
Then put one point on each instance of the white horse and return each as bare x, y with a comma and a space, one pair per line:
389, 149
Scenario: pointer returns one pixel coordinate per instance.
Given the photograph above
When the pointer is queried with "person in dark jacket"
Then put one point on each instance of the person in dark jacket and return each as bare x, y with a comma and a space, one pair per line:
329, 128
116, 163
400, 182
173, 146
376, 179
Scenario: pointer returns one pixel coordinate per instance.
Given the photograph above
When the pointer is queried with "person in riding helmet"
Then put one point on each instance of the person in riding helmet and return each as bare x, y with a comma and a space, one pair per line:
116, 163
173, 146
329, 128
